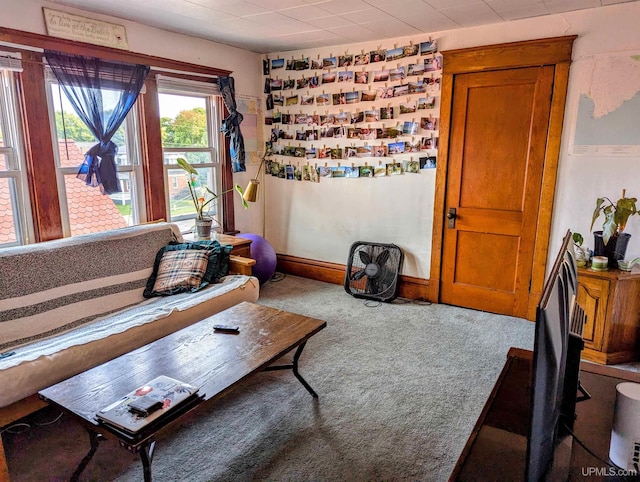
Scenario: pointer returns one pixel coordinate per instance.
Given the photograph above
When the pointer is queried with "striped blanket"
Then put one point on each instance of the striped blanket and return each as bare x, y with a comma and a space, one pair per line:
50, 288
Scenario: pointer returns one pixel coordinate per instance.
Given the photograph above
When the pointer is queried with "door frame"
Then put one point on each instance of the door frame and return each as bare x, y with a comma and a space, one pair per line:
554, 51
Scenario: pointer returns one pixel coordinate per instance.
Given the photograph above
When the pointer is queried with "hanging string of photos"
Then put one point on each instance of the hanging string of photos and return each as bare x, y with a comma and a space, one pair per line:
405, 90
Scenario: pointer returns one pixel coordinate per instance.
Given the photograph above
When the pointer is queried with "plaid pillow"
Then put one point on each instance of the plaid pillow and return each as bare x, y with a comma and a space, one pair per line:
180, 271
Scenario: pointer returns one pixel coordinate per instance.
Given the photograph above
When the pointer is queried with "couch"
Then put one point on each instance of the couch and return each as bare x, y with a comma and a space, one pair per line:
71, 304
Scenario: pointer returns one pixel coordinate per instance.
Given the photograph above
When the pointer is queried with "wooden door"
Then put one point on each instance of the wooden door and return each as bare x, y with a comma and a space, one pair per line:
496, 154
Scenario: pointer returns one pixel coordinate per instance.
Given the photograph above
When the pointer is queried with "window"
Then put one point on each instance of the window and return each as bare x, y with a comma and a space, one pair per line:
85, 209
15, 215
190, 123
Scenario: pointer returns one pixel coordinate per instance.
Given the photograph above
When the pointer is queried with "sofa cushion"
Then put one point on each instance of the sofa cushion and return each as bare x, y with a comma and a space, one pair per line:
180, 271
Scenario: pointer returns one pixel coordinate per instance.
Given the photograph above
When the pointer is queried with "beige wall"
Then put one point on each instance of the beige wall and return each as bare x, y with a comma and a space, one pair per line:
321, 221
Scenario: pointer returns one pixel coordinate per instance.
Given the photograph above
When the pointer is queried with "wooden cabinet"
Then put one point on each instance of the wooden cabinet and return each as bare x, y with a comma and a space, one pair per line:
611, 301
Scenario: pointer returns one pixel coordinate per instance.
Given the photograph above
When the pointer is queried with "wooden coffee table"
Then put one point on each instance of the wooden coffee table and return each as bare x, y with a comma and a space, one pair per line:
215, 362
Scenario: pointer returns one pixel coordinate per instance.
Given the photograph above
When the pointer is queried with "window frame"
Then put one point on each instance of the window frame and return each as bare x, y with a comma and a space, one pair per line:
11, 126
133, 167
214, 114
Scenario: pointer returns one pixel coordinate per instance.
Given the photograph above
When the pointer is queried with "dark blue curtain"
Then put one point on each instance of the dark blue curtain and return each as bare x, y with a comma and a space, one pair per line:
231, 124
83, 80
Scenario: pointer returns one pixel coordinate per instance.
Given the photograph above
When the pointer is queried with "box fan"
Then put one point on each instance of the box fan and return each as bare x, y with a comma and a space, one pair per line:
372, 271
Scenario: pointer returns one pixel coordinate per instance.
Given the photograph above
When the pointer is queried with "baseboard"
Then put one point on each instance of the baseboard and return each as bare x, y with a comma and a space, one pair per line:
410, 287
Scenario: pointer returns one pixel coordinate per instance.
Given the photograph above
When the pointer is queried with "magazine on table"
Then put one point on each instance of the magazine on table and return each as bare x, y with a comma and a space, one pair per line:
146, 404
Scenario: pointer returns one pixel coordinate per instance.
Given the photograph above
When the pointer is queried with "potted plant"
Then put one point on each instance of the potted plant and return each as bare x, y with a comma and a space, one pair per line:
612, 241
202, 198
582, 253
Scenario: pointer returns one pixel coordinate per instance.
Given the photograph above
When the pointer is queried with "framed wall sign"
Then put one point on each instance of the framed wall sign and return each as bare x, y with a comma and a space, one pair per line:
74, 27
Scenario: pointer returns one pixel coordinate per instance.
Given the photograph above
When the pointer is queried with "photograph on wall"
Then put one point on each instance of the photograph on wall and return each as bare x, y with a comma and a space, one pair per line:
396, 148
314, 82
313, 174
301, 64
300, 136
323, 153
357, 117
428, 47
345, 76
429, 143
311, 135
380, 170
265, 66
326, 133
293, 100
395, 54
274, 168
377, 56
287, 118
302, 83
336, 153
289, 171
427, 102
363, 151
429, 123
329, 77
379, 151
339, 132
361, 77
306, 100
341, 118
352, 97
400, 90
339, 98
385, 92
297, 172
396, 74
282, 173
409, 128
431, 65
287, 135
276, 134
407, 107
268, 120
428, 162
416, 69
310, 152
353, 133
324, 171
372, 115
368, 96
417, 87
367, 134
288, 84
306, 172
350, 152
338, 171
393, 132
278, 100
410, 50
351, 171
365, 171
412, 146
394, 168
380, 75
329, 63
411, 166
345, 60
300, 152
267, 86
386, 113
269, 102
362, 59
277, 64
316, 64
323, 99
433, 85
276, 84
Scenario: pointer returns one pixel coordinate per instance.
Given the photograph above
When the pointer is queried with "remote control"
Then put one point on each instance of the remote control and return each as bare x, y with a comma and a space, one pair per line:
227, 328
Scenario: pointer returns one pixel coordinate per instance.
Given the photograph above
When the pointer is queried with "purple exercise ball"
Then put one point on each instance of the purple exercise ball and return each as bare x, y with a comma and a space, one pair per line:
264, 254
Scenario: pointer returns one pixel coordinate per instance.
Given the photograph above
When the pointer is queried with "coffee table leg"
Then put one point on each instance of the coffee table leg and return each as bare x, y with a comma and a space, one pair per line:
146, 455
294, 367
94, 439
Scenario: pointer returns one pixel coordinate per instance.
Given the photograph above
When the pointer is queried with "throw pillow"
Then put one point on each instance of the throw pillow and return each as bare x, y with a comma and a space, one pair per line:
217, 267
180, 271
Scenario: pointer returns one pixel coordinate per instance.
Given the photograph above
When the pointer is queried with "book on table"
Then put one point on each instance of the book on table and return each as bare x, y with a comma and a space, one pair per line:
146, 404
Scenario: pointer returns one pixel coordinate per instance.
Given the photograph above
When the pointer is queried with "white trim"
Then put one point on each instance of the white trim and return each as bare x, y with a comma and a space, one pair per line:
173, 85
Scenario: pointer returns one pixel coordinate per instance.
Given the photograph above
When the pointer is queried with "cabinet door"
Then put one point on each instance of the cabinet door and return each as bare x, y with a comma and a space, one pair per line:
592, 296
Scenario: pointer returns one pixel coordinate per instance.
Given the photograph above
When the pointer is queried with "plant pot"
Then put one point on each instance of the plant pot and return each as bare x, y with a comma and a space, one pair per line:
203, 227
615, 249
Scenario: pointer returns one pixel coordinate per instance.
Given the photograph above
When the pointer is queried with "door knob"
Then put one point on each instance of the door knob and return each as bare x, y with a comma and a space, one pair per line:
451, 216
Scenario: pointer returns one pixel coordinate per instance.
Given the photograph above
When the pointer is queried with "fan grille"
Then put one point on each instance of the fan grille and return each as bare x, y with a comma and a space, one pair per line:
372, 270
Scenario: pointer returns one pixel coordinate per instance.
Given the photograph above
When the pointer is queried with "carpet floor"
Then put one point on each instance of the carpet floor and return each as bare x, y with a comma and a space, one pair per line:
400, 387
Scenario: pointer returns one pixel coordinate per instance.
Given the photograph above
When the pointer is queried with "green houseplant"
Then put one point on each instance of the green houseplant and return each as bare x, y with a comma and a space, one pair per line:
612, 241
202, 197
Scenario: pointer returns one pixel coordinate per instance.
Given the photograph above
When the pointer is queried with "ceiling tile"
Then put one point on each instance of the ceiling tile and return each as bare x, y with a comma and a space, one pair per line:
366, 16
391, 28
237, 8
305, 12
471, 15
332, 21
558, 6
343, 6
442, 4
357, 33
512, 10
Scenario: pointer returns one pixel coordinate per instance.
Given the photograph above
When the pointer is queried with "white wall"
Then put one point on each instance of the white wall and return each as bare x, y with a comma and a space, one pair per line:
321, 221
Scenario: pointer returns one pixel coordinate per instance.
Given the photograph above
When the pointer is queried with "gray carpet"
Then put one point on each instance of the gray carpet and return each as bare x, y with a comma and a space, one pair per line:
400, 385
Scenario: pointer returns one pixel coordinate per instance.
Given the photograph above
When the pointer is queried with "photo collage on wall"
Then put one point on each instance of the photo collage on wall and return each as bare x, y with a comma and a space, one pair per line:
376, 110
